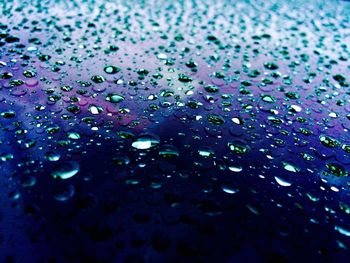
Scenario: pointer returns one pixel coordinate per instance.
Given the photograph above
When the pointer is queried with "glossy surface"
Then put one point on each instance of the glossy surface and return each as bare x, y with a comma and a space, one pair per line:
190, 131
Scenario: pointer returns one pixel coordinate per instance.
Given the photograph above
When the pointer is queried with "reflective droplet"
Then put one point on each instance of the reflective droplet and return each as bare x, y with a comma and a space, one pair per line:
342, 230
237, 120
146, 141
95, 109
235, 169
291, 167
111, 69
73, 135
66, 170
215, 119
337, 170
52, 156
282, 182
168, 151
229, 189
8, 114
206, 152
114, 98
238, 148
329, 141
6, 157
64, 193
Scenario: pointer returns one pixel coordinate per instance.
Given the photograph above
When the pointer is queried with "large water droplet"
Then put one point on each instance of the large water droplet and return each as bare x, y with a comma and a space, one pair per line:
282, 182
146, 141
342, 230
66, 170
64, 193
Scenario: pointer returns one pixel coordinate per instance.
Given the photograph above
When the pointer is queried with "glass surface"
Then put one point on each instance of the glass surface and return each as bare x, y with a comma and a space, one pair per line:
174, 131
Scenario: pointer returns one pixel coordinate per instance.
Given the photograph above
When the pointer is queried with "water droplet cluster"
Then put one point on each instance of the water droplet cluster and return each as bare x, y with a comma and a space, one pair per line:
189, 131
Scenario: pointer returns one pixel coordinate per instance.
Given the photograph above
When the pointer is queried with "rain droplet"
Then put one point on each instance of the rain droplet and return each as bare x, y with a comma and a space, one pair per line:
52, 156
282, 182
337, 170
66, 170
168, 151
64, 193
329, 141
111, 69
146, 141
291, 167
342, 231
114, 98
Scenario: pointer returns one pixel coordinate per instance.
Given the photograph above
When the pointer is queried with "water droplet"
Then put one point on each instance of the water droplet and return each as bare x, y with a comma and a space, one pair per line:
8, 114
146, 141
268, 98
64, 193
235, 168
98, 79
52, 156
95, 109
73, 135
162, 56
337, 170
291, 167
342, 230
66, 170
329, 141
282, 182
114, 98
215, 119
6, 157
168, 151
206, 152
238, 148
229, 189
237, 120
111, 69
